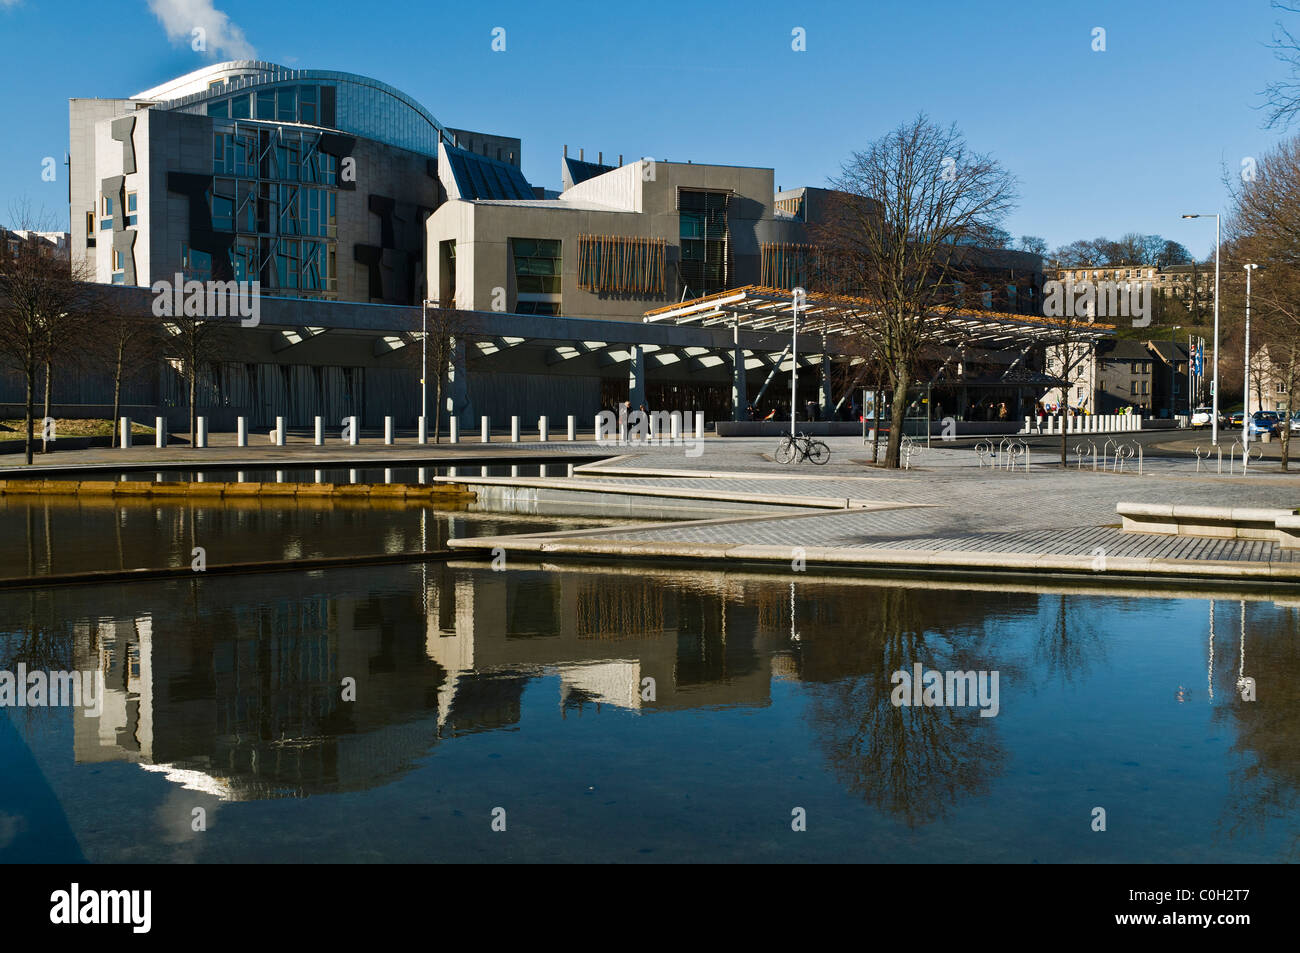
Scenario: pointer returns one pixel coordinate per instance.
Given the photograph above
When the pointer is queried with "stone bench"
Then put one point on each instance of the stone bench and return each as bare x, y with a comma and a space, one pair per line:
1224, 522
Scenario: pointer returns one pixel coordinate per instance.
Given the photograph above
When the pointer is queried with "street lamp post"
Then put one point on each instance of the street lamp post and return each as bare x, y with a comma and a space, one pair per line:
424, 369
798, 298
1214, 383
1173, 370
1245, 407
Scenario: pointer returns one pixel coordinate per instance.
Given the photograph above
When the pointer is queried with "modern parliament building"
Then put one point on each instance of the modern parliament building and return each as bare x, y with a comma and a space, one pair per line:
352, 205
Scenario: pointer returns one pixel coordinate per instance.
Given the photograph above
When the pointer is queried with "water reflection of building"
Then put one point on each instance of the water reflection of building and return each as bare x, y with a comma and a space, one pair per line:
240, 694
603, 634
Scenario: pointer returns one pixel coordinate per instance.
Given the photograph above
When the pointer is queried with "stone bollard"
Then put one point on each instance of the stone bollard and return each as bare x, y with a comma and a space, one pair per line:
675, 425
388, 431
573, 427
241, 432
124, 432
543, 429
281, 431
201, 432
424, 432
514, 429
320, 433
699, 425
453, 431
485, 427
353, 434
160, 432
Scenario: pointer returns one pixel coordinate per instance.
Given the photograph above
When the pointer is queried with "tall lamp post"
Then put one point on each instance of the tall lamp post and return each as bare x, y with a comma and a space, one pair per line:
1173, 370
799, 298
1214, 384
424, 371
1245, 408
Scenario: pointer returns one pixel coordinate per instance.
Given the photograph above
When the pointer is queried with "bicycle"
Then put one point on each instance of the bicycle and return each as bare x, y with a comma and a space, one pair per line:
802, 447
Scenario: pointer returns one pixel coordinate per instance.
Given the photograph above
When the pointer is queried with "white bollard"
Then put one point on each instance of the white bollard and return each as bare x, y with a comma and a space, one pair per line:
354, 434
543, 429
453, 433
124, 432
485, 430
201, 432
1137, 422
241, 431
699, 425
281, 431
424, 432
160, 433
675, 425
514, 429
1029, 427
573, 427
388, 431
320, 433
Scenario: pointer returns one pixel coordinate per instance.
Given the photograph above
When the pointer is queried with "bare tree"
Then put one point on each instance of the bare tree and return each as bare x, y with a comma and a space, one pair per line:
126, 347
194, 343
42, 299
1072, 345
910, 206
442, 351
1282, 97
1263, 228
445, 327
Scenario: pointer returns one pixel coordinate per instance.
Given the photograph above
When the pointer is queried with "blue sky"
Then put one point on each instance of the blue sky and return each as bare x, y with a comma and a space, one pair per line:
1102, 142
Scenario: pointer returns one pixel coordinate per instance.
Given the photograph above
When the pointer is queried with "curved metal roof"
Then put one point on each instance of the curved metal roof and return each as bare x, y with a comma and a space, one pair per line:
249, 74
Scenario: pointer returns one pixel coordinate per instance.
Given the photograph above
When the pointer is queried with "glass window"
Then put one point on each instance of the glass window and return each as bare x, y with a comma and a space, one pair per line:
286, 98
537, 265
196, 265
307, 103
220, 109
239, 107
266, 104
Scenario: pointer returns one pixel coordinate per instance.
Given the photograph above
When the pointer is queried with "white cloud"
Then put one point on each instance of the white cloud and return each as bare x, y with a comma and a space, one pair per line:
181, 17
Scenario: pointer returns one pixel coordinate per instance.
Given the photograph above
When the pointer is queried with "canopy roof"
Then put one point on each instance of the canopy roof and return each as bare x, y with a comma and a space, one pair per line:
756, 308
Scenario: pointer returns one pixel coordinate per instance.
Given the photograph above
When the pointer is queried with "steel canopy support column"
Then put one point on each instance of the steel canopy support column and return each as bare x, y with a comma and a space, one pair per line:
827, 400
636, 377
739, 395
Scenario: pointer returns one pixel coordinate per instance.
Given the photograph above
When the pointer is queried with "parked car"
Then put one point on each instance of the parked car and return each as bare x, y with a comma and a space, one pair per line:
1234, 421
1295, 422
1263, 422
1202, 416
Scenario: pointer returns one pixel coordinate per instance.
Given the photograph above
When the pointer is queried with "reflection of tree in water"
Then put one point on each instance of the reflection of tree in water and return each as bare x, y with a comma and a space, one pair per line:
1267, 785
915, 762
611, 608
1070, 644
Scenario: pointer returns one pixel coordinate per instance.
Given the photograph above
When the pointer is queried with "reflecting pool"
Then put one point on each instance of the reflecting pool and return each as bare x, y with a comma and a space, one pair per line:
625, 713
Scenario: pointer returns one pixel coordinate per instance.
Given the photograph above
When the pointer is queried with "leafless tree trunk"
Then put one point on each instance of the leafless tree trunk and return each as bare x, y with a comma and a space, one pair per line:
898, 238
43, 301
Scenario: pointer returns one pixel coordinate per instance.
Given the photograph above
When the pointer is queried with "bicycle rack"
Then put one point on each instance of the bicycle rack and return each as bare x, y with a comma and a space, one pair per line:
1252, 452
1123, 451
1081, 450
1017, 448
1204, 453
909, 447
985, 452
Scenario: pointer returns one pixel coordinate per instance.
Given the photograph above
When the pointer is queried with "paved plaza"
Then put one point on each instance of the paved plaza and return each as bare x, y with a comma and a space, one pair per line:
954, 508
